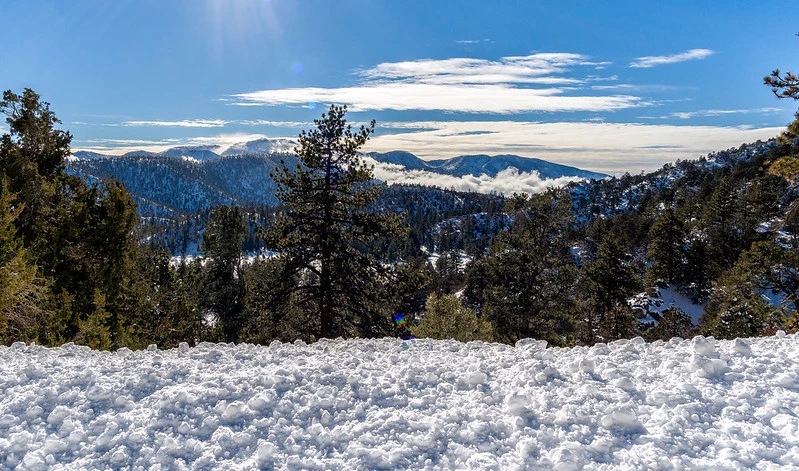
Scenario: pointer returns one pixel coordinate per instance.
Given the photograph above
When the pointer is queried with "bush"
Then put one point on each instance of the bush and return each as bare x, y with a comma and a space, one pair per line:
446, 318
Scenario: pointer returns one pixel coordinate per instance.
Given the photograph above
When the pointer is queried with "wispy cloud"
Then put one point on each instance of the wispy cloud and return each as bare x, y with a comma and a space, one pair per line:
457, 71
472, 41
513, 84
652, 61
498, 99
202, 123
713, 113
276, 124
186, 123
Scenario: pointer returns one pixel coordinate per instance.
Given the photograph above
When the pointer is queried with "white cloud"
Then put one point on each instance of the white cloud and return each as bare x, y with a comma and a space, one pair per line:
458, 71
186, 123
507, 182
277, 124
652, 61
513, 84
603, 147
713, 113
499, 99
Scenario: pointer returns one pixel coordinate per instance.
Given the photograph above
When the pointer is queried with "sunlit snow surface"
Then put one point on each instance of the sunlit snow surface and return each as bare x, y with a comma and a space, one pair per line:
421, 404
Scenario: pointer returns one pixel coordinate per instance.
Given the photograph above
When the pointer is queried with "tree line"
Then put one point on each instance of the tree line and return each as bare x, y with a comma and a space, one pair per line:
72, 267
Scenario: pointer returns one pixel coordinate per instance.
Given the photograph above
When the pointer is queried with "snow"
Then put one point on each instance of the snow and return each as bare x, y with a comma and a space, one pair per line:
661, 298
394, 404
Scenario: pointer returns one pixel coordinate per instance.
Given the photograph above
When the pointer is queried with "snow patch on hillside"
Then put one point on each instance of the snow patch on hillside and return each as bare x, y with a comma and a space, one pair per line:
394, 404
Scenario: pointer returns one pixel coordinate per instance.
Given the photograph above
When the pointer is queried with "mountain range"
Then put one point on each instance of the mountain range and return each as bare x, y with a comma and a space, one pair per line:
480, 164
186, 179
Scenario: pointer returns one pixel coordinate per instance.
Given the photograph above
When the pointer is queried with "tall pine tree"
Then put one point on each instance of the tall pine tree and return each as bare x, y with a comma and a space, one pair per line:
327, 228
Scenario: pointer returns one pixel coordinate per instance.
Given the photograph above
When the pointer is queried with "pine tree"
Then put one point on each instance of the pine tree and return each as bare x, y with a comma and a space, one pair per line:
729, 225
221, 244
609, 282
527, 281
327, 228
666, 246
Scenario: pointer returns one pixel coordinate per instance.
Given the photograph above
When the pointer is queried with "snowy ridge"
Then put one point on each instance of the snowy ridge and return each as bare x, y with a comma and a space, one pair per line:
419, 404
477, 165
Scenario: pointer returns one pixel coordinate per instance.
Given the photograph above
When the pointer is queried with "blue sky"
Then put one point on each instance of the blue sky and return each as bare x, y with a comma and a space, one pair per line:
609, 86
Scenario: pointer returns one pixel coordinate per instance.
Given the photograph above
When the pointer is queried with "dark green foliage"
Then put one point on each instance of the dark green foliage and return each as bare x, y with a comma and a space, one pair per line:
608, 282
32, 160
221, 244
772, 268
525, 284
673, 323
21, 290
667, 246
413, 284
738, 307
738, 310
170, 309
326, 230
79, 236
271, 310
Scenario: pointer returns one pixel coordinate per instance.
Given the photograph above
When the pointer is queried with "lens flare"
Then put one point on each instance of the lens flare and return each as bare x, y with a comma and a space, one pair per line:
399, 319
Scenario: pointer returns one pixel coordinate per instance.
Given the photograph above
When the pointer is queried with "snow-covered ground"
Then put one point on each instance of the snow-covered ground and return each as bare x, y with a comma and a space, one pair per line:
394, 404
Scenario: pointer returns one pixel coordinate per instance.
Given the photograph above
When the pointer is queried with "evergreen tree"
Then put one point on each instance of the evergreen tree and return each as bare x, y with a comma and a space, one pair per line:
785, 86
270, 312
221, 244
32, 157
169, 300
21, 289
527, 281
772, 268
729, 225
673, 323
80, 237
327, 228
666, 246
609, 281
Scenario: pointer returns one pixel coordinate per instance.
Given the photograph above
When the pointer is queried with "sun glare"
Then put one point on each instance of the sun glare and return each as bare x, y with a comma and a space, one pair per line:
236, 22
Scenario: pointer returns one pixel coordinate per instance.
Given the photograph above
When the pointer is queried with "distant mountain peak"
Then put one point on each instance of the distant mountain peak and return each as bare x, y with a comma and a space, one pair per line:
279, 145
482, 164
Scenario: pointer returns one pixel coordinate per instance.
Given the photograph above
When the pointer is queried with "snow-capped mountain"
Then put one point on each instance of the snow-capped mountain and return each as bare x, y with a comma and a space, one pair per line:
205, 153
190, 178
201, 153
477, 165
262, 146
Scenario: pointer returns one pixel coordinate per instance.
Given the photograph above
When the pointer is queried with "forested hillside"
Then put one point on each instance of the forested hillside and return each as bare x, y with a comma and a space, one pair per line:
345, 256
